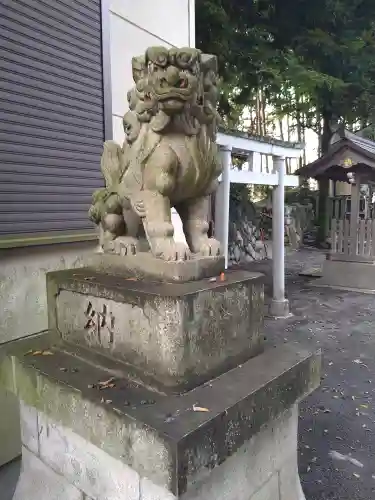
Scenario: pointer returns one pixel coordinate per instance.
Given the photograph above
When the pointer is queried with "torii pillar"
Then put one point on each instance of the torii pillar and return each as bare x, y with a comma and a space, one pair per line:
279, 307
222, 202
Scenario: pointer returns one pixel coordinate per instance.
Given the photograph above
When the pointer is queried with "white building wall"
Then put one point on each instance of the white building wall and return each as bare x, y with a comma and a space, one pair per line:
133, 26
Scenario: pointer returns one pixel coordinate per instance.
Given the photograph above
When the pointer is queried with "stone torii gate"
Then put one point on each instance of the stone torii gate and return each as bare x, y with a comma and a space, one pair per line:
234, 142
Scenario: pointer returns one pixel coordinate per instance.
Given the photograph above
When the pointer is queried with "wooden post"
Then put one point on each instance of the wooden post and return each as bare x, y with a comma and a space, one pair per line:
373, 238
340, 239
354, 216
334, 227
347, 242
362, 237
368, 238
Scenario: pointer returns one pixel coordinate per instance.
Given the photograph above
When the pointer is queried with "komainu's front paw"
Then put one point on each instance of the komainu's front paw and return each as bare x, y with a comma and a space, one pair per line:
170, 250
123, 245
210, 248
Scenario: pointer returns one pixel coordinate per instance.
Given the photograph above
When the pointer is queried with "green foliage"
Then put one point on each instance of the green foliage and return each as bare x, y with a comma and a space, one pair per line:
311, 61
321, 51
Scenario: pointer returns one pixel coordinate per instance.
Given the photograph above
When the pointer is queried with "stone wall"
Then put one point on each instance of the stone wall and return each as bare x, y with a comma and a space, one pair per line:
298, 220
58, 464
23, 306
245, 244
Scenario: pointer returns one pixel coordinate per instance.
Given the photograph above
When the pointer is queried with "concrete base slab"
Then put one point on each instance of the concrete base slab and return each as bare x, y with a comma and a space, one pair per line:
359, 276
279, 308
234, 435
318, 284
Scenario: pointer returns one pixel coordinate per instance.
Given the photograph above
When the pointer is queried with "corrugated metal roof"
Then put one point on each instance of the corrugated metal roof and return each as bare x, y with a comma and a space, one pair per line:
365, 144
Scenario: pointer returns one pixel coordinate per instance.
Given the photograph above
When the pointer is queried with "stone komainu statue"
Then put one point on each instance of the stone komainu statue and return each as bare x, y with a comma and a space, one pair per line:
169, 158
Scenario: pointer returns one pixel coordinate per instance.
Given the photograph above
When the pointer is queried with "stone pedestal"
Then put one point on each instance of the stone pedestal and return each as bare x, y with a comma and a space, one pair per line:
232, 438
59, 464
156, 391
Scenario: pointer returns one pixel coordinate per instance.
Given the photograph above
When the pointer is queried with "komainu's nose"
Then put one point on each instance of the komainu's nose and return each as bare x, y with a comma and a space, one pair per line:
173, 76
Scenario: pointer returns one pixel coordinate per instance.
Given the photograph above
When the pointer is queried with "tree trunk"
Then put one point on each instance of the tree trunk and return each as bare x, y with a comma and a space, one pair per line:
267, 164
263, 113
318, 130
322, 216
258, 115
288, 128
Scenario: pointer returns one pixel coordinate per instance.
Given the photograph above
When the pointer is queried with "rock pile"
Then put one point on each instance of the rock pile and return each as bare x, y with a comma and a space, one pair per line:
245, 244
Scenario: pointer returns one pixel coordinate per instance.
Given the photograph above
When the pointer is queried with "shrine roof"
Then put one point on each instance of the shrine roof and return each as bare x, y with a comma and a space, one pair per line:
348, 152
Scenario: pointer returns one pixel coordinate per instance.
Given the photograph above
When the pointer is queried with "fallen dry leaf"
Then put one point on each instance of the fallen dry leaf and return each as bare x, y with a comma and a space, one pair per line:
39, 353
109, 384
345, 458
106, 382
200, 408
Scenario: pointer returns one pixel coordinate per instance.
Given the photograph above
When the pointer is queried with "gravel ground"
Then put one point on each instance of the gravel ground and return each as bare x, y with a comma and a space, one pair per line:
337, 424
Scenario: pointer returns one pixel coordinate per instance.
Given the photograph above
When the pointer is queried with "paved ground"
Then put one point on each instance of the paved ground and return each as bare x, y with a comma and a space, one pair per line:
337, 426
8, 479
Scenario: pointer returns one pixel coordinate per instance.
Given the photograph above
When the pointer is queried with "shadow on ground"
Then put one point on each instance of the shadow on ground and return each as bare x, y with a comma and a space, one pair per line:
8, 479
337, 423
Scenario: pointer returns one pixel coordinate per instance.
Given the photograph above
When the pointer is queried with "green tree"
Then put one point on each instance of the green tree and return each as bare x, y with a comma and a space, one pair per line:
312, 61
331, 53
